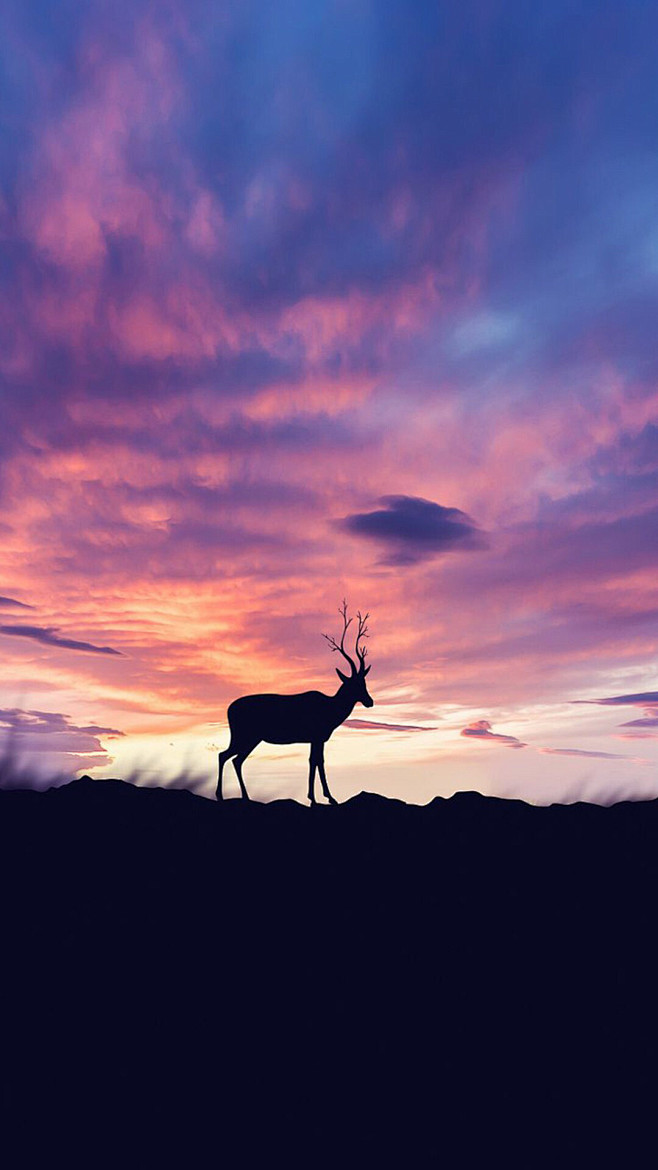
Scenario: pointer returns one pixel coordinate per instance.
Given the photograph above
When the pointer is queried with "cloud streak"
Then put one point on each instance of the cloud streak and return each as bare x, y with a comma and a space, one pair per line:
642, 699
48, 636
579, 752
481, 730
372, 725
11, 603
38, 744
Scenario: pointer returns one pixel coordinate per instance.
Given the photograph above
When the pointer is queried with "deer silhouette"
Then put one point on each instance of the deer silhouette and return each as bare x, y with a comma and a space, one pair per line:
310, 718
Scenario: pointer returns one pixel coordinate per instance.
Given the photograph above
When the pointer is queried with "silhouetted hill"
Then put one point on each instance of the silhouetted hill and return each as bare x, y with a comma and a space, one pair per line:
475, 970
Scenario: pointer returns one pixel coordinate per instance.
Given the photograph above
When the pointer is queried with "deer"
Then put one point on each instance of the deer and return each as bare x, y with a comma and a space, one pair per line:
310, 717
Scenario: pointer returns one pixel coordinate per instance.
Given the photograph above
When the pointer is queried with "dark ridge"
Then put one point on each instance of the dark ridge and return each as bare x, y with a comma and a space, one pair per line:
329, 982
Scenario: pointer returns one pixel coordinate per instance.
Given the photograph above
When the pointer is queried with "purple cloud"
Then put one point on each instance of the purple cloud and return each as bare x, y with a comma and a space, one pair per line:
645, 699
11, 603
48, 636
641, 699
38, 744
51, 723
481, 729
414, 528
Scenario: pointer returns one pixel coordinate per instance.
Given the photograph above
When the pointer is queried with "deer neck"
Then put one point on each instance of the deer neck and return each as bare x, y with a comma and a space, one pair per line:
344, 703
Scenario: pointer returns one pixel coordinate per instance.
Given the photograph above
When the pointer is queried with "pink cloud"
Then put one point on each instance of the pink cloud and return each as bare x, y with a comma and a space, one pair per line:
481, 729
371, 725
548, 751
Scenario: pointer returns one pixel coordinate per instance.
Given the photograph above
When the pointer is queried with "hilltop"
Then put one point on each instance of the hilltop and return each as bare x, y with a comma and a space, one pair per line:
361, 960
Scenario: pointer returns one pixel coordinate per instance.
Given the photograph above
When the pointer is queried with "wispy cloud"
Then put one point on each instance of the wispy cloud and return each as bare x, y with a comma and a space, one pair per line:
642, 727
642, 699
41, 743
550, 751
371, 725
481, 729
48, 636
11, 603
50, 723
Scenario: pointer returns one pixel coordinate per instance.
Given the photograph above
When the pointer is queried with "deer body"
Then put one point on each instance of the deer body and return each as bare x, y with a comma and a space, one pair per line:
290, 718
310, 717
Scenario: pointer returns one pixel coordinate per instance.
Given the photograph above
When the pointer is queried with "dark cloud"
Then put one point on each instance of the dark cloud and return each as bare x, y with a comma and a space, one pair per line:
11, 603
415, 529
648, 700
481, 729
48, 636
370, 725
642, 699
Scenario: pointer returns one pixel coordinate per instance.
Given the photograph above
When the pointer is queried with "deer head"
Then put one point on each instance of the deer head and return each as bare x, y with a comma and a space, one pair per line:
356, 681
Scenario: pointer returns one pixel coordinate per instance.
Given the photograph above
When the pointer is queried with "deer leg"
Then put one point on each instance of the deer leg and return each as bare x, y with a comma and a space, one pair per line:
223, 757
237, 764
311, 773
323, 777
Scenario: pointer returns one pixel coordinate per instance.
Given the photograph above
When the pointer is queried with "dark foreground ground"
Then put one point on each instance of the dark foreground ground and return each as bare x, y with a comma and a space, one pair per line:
245, 984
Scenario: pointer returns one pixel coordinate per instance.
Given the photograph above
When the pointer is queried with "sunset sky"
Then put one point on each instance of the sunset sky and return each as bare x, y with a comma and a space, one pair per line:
310, 300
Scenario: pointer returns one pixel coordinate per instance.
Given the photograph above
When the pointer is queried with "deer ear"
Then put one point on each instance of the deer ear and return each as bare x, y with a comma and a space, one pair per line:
367, 670
342, 677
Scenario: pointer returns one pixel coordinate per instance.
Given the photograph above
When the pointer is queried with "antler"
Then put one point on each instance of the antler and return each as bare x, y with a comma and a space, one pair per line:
362, 633
340, 647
